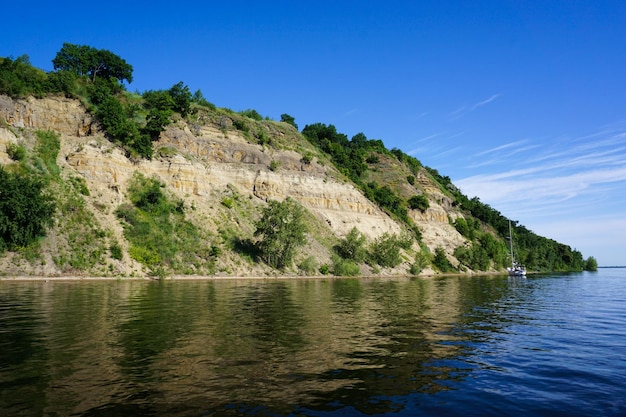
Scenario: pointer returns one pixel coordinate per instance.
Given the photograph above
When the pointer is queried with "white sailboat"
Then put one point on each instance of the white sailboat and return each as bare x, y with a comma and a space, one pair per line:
515, 270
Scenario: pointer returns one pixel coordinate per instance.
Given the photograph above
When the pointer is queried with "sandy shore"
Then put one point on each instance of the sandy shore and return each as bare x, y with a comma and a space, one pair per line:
228, 277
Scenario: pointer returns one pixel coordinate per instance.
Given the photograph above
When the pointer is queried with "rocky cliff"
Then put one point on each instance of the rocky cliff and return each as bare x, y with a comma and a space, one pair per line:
202, 162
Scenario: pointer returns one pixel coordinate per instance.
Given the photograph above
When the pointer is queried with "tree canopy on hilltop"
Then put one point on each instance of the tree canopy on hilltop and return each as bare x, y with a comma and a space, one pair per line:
85, 60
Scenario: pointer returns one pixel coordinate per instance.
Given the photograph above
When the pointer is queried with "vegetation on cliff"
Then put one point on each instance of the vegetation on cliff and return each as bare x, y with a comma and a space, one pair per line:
158, 230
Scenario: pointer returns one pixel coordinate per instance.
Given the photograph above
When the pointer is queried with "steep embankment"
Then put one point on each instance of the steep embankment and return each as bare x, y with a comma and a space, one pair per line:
203, 162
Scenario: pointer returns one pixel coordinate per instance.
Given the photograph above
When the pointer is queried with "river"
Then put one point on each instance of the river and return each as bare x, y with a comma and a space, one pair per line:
552, 345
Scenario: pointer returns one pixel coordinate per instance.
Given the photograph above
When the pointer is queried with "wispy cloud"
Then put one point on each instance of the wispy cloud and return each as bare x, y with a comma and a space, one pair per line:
549, 187
465, 109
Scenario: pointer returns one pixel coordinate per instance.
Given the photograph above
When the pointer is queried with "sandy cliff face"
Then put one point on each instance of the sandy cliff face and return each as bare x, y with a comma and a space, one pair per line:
202, 164
54, 113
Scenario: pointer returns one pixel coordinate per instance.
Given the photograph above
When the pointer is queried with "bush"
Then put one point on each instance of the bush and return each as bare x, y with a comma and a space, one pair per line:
308, 265
352, 246
385, 251
252, 114
419, 202
159, 235
421, 261
441, 261
274, 165
25, 210
116, 251
345, 267
280, 230
16, 151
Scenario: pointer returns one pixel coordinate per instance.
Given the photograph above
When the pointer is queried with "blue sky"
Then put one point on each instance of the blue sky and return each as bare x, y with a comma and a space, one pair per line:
522, 103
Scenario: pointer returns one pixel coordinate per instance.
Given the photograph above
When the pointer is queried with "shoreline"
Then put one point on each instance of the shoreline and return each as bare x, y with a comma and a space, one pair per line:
74, 278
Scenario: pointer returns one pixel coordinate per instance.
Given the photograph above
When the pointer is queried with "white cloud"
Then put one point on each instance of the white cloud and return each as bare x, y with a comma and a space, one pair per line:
573, 191
465, 109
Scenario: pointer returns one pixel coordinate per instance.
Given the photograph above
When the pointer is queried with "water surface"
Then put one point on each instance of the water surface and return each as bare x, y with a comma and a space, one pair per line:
545, 345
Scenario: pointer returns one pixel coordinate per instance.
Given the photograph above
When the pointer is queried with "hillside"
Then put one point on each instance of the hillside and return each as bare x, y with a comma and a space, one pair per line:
208, 175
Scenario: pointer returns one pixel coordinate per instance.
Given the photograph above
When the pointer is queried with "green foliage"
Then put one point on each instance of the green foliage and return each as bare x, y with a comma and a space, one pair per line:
199, 99
252, 114
308, 265
591, 264
181, 95
228, 202
80, 185
274, 165
47, 150
18, 78
16, 152
280, 231
387, 199
285, 118
475, 257
423, 258
441, 262
85, 60
352, 247
344, 267
25, 210
419, 202
307, 158
116, 251
385, 251
410, 179
159, 235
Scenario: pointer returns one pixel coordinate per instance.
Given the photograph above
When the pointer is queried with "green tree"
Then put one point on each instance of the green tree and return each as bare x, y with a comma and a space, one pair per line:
422, 260
25, 210
280, 231
19, 78
591, 264
441, 260
85, 60
385, 251
353, 246
285, 118
181, 95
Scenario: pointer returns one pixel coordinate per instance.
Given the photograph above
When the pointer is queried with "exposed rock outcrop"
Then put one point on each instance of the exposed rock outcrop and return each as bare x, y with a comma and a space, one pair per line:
200, 165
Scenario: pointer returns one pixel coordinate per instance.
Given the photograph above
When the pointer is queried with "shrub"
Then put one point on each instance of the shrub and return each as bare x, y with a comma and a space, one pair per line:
274, 165
441, 261
421, 261
25, 210
16, 151
252, 114
352, 246
308, 265
345, 267
372, 159
116, 251
159, 235
228, 202
419, 202
280, 230
385, 251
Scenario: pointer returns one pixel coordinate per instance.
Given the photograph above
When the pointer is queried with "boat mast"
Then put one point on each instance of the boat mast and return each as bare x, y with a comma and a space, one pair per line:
511, 245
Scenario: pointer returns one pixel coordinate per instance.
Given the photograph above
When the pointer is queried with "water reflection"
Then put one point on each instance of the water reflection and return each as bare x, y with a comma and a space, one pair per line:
233, 347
